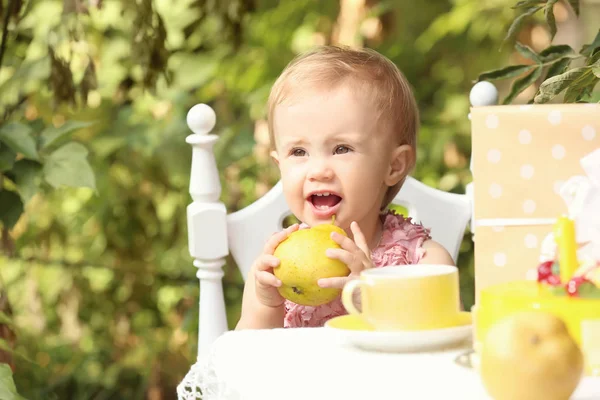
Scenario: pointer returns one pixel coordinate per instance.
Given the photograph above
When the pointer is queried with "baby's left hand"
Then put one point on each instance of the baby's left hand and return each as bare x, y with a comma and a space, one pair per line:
355, 254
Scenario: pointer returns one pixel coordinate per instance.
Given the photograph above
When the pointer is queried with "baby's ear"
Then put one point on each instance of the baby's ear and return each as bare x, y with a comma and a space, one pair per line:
401, 162
275, 157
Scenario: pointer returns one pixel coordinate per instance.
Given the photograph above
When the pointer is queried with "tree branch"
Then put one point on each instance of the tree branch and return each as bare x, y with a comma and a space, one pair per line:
9, 11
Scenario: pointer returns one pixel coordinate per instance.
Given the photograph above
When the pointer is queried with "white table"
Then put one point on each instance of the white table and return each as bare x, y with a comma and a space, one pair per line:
315, 363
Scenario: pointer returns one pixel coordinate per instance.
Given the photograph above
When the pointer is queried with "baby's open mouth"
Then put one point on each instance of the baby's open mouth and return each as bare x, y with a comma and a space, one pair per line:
323, 201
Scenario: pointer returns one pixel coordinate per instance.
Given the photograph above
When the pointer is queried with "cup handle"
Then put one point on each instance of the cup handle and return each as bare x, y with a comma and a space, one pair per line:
348, 296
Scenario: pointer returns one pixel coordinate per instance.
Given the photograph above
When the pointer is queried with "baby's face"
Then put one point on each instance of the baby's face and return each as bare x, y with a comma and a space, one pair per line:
331, 156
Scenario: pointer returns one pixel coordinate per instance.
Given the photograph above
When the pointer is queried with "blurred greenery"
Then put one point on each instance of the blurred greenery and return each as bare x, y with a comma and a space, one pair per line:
99, 298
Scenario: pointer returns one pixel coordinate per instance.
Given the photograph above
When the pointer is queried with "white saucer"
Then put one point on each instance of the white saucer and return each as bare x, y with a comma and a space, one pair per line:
360, 334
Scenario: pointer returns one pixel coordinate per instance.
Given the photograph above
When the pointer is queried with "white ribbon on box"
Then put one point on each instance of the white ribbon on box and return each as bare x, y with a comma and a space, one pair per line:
581, 194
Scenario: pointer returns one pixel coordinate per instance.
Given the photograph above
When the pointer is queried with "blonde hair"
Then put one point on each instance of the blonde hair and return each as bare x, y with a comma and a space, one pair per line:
368, 73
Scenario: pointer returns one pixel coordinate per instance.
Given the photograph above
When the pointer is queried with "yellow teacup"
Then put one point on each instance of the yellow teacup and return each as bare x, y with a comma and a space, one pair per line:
407, 297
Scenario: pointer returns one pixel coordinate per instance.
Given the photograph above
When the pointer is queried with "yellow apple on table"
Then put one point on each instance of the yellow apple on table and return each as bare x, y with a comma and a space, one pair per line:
530, 355
303, 262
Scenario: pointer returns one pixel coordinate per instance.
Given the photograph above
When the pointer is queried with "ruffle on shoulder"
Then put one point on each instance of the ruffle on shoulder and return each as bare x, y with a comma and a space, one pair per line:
401, 241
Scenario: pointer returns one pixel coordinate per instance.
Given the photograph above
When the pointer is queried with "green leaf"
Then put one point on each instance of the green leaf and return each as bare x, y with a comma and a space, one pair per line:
51, 134
8, 348
25, 72
581, 87
514, 27
558, 67
19, 138
587, 290
5, 319
68, 166
522, 83
11, 208
553, 53
588, 49
555, 85
550, 20
28, 176
594, 59
504, 73
8, 390
527, 52
575, 5
596, 71
7, 158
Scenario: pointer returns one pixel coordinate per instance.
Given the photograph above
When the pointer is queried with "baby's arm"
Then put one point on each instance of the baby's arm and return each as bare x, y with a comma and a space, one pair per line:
256, 315
435, 253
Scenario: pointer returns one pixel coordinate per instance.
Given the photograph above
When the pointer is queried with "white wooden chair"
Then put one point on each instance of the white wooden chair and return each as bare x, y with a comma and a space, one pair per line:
213, 233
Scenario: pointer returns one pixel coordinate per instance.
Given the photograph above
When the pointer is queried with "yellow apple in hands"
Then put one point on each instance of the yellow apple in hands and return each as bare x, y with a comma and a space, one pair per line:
303, 262
530, 356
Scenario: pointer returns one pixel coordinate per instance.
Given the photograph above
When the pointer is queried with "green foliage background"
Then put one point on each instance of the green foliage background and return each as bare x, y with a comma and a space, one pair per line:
102, 295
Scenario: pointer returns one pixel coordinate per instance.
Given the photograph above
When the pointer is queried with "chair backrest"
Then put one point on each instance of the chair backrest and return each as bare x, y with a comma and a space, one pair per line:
446, 214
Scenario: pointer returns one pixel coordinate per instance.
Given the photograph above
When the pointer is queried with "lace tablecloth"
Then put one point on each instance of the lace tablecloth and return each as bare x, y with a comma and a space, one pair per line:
315, 363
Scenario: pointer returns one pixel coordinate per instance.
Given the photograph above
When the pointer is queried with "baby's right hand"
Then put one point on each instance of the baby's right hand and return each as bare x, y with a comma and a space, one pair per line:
266, 283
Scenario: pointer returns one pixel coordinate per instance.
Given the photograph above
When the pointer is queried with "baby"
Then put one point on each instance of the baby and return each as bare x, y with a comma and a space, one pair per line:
343, 126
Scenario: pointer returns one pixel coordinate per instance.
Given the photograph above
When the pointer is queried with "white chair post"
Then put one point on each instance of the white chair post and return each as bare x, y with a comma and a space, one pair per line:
207, 227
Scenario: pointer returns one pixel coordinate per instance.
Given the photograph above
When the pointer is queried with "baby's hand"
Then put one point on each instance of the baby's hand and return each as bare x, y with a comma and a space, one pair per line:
355, 254
266, 283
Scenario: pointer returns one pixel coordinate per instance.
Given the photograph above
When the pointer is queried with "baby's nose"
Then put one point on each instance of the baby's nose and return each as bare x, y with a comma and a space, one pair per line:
320, 170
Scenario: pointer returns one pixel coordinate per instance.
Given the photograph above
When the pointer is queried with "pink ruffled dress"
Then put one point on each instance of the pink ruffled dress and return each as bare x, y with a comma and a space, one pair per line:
400, 244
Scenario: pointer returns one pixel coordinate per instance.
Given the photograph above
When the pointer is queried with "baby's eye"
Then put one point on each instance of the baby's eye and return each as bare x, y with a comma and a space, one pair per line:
298, 152
342, 150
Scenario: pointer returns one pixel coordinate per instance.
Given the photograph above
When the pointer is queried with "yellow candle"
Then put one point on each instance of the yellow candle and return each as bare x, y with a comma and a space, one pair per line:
564, 235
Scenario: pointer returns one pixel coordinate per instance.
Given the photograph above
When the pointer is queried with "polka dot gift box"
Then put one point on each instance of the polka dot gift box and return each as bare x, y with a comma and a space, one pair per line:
521, 156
